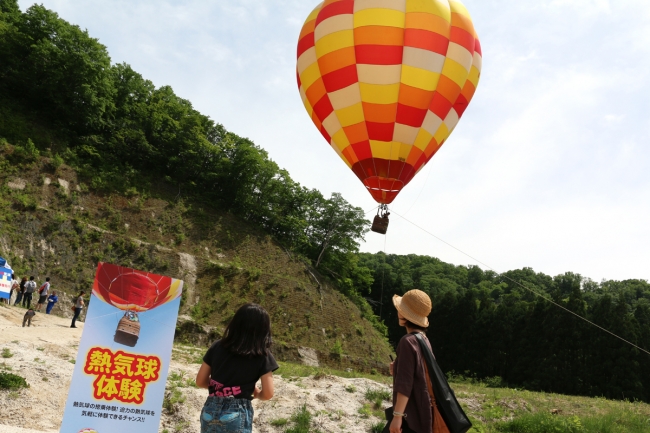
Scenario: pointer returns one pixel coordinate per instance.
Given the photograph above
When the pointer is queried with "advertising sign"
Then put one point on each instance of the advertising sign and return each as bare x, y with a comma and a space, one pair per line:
119, 378
5, 282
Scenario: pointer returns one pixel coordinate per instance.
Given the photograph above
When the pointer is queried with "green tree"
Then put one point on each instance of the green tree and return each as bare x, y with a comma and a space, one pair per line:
335, 226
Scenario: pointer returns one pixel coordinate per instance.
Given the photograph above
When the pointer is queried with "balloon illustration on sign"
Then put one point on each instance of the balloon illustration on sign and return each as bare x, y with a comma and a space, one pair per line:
133, 292
386, 81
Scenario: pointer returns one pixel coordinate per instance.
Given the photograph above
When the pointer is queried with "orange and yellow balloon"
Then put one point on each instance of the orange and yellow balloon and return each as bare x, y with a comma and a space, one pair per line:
386, 81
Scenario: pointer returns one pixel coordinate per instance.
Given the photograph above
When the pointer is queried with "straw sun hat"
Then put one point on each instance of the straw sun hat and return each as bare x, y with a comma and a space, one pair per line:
415, 306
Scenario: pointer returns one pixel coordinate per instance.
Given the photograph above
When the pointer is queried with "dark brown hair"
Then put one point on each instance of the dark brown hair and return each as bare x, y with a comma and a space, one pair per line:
249, 332
412, 325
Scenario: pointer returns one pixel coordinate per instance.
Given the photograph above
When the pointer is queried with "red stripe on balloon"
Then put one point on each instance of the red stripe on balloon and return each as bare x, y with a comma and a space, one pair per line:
462, 38
426, 40
341, 79
323, 108
380, 131
440, 106
411, 116
305, 43
477, 47
338, 8
378, 54
362, 150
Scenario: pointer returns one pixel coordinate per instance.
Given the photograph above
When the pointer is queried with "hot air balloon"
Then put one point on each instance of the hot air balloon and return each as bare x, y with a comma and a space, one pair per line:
133, 292
385, 82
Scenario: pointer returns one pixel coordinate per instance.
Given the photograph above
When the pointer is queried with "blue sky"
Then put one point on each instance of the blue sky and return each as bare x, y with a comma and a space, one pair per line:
547, 169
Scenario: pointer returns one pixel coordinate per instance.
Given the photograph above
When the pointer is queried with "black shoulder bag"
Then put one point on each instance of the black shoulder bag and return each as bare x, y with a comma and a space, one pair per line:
446, 403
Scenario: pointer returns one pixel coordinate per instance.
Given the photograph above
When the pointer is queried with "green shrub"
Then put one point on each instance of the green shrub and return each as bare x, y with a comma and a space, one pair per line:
12, 381
301, 421
377, 427
56, 161
6, 353
337, 348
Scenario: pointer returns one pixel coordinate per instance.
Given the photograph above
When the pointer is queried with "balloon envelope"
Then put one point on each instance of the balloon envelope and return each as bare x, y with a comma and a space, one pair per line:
131, 290
386, 81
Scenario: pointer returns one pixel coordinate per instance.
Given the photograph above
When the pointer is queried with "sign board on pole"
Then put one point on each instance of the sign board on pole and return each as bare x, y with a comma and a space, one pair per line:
5, 282
119, 378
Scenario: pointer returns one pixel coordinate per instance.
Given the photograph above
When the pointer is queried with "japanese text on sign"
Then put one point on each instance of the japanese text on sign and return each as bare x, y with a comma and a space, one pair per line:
122, 376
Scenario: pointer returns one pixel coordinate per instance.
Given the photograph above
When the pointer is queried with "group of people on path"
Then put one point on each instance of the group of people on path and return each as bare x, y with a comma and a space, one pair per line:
233, 365
22, 294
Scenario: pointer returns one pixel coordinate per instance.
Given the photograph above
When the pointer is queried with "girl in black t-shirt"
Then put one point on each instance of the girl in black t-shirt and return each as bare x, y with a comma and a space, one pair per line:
231, 368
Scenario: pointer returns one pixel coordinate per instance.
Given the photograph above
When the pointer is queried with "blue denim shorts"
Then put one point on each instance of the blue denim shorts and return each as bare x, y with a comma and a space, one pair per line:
227, 415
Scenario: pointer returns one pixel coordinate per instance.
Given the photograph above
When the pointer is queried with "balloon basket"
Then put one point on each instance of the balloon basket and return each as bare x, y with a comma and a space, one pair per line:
128, 330
380, 223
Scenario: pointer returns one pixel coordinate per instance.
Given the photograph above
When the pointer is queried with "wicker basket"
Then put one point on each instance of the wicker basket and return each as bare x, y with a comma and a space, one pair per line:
380, 224
128, 330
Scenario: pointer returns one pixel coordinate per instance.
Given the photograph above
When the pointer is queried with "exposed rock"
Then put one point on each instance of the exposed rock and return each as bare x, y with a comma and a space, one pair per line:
65, 185
309, 356
187, 271
17, 183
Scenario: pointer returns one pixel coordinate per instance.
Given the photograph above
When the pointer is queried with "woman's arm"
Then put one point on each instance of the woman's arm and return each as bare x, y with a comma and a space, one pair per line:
399, 407
203, 376
266, 393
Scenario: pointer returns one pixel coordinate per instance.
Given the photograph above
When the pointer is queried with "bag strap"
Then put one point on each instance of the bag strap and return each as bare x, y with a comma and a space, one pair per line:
450, 410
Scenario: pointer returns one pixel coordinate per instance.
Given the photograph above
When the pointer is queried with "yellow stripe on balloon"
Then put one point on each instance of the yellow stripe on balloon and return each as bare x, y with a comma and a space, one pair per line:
379, 94
455, 71
334, 42
350, 115
309, 76
420, 78
379, 17
436, 7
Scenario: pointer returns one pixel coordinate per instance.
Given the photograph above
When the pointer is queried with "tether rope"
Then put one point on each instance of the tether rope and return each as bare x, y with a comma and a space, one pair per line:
523, 286
383, 271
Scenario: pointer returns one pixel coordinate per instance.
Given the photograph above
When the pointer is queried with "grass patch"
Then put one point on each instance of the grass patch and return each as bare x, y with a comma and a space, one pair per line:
289, 369
301, 421
12, 381
621, 422
279, 422
6, 353
378, 396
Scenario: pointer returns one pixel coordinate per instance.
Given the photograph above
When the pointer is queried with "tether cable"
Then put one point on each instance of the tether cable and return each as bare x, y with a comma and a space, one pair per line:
383, 272
522, 286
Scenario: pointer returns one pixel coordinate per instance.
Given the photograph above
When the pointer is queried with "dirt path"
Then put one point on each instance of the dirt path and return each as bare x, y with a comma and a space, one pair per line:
45, 352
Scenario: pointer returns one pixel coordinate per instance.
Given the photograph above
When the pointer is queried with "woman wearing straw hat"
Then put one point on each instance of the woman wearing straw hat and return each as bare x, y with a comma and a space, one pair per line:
411, 401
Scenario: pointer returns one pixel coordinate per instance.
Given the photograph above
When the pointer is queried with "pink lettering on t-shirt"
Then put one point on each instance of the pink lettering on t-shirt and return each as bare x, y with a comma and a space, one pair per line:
227, 392
236, 390
216, 386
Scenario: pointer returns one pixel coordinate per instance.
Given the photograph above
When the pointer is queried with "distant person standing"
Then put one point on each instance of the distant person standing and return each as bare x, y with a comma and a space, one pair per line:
43, 291
51, 300
21, 291
15, 286
30, 288
78, 306
27, 318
